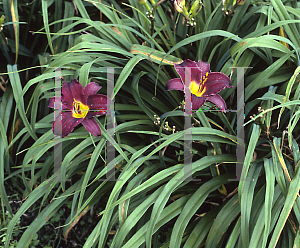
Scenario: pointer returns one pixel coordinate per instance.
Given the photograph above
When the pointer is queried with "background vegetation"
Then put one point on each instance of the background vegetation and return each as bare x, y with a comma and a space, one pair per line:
151, 205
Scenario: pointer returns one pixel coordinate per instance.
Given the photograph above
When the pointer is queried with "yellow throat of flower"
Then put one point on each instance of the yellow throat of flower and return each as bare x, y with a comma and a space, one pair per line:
79, 109
198, 89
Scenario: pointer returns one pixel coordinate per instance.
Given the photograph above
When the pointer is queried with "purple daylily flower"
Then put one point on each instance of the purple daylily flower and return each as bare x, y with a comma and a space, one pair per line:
80, 106
204, 85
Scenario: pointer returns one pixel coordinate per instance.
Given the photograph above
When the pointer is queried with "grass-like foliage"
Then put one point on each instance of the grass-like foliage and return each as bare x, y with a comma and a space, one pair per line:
149, 199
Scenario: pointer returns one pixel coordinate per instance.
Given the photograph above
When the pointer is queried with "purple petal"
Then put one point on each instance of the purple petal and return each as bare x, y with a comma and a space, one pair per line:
98, 105
77, 91
52, 101
196, 73
213, 89
91, 89
197, 102
67, 125
203, 66
174, 84
67, 95
216, 81
218, 77
218, 100
71, 91
92, 126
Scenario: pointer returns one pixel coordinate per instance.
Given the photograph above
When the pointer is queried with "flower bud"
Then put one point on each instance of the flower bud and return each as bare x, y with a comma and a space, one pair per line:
142, 1
178, 5
1, 22
196, 7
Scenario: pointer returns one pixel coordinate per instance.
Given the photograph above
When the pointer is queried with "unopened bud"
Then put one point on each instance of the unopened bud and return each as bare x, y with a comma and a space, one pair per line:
144, 2
178, 5
1, 22
196, 7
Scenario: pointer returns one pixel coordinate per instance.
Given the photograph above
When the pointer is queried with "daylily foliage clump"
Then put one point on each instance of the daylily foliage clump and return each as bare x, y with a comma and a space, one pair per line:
157, 177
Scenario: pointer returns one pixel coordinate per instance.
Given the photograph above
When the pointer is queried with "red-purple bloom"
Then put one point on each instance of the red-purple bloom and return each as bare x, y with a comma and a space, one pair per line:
80, 106
204, 85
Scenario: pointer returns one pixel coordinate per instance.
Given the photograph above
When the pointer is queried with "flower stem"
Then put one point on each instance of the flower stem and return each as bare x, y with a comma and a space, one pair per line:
190, 31
152, 20
147, 7
186, 13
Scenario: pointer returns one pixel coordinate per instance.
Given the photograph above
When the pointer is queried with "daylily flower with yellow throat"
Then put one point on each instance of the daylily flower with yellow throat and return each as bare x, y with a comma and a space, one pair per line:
80, 106
204, 85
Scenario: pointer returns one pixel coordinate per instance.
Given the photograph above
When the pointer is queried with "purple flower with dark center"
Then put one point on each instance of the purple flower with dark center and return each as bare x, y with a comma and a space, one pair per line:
204, 85
80, 106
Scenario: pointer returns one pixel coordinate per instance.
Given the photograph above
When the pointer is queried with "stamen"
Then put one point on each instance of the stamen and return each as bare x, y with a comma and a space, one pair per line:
79, 109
